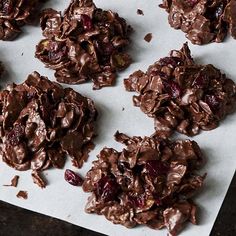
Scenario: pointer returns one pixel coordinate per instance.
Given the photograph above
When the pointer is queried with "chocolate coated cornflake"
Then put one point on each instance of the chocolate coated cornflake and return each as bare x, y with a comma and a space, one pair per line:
203, 21
181, 95
85, 43
150, 182
41, 122
22, 194
14, 14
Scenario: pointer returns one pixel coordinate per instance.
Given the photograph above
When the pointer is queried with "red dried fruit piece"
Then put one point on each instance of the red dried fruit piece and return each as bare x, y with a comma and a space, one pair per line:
72, 178
56, 51
15, 135
172, 88
213, 102
156, 168
106, 189
6, 7
200, 82
173, 61
138, 201
86, 21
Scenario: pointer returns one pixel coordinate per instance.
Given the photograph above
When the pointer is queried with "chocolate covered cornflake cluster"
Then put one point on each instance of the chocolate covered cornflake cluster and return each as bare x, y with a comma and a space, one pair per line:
203, 21
40, 122
181, 95
14, 14
150, 182
85, 43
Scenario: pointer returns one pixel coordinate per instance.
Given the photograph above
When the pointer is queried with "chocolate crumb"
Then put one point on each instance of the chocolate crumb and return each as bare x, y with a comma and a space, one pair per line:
14, 182
181, 95
140, 12
92, 47
123, 108
37, 179
148, 37
150, 182
22, 194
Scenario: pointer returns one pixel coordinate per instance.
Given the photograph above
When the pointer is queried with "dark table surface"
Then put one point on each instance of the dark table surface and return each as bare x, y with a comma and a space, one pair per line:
15, 221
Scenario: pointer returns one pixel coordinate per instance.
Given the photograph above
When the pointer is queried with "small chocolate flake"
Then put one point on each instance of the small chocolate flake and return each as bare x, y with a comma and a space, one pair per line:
148, 37
140, 12
14, 182
22, 194
123, 108
37, 179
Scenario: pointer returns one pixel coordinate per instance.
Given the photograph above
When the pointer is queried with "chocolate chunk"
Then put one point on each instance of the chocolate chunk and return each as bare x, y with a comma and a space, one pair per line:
140, 12
14, 182
37, 179
85, 43
148, 37
150, 182
14, 14
181, 95
41, 122
202, 21
22, 194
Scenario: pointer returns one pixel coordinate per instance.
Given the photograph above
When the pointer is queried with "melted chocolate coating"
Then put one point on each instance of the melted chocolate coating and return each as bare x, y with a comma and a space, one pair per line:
181, 95
150, 182
203, 21
85, 43
14, 14
41, 122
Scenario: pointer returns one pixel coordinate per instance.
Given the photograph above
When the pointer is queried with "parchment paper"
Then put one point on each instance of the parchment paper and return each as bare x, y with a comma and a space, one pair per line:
67, 202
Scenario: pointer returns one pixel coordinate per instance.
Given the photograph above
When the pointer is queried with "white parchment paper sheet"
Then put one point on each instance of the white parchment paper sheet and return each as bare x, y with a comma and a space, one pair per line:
66, 202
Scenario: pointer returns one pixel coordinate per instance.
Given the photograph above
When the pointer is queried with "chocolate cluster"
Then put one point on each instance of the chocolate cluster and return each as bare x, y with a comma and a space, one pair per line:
203, 21
14, 14
181, 95
150, 182
40, 122
85, 43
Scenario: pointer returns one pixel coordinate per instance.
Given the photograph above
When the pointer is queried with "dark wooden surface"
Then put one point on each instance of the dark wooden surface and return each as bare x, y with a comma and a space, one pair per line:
15, 221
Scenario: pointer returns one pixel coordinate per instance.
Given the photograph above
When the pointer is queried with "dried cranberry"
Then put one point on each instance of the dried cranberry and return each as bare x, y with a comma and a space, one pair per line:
86, 21
156, 168
104, 49
213, 101
15, 135
173, 61
200, 82
57, 51
172, 88
72, 178
137, 201
107, 188
6, 7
